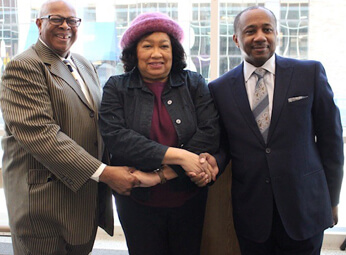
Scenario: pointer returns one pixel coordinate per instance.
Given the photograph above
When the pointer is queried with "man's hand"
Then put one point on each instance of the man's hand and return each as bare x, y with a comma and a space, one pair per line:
214, 169
119, 179
335, 215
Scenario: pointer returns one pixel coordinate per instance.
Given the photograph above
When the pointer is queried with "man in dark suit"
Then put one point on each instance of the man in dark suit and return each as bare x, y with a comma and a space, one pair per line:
287, 158
52, 146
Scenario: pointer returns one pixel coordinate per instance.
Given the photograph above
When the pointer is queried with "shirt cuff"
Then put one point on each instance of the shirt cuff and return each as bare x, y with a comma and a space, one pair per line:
98, 172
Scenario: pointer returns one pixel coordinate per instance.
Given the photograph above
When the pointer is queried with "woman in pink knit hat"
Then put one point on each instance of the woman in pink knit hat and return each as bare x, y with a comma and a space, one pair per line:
157, 118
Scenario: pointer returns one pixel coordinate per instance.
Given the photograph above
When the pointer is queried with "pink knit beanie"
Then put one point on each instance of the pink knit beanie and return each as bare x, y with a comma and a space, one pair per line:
151, 22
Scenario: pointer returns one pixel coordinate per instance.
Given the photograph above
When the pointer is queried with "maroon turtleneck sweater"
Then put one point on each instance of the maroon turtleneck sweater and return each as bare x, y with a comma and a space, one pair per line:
163, 131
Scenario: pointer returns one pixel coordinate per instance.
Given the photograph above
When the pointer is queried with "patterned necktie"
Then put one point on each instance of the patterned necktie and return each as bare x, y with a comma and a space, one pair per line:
81, 84
69, 66
260, 107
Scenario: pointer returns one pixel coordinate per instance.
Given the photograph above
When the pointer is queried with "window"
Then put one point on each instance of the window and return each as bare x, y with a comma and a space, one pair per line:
305, 32
200, 49
294, 26
89, 14
9, 30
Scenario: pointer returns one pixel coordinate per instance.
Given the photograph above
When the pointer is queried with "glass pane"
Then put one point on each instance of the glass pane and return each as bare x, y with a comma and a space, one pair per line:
304, 33
89, 14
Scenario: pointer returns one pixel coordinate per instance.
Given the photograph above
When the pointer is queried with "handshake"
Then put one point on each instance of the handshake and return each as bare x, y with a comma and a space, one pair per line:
207, 173
201, 169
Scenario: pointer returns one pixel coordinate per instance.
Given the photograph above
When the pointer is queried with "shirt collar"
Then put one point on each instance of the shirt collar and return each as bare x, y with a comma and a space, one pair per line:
68, 54
67, 58
269, 65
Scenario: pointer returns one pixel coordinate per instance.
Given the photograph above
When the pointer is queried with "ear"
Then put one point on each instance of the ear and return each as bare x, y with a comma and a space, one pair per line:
39, 24
235, 40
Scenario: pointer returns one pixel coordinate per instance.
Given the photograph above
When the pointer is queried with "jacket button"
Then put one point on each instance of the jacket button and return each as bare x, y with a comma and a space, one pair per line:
268, 150
169, 102
91, 115
267, 180
178, 121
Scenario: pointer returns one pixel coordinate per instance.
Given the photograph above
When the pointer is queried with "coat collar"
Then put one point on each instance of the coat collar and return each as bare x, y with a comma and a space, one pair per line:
242, 100
283, 76
58, 68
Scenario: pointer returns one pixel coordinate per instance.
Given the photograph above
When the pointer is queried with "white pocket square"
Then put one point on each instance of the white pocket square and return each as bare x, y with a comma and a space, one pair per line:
293, 99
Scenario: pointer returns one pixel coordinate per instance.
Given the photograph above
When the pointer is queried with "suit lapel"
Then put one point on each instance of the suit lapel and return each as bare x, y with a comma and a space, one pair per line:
283, 76
242, 100
58, 68
94, 91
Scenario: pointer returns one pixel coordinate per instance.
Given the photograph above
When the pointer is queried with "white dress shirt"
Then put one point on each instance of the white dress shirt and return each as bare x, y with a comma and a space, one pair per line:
269, 79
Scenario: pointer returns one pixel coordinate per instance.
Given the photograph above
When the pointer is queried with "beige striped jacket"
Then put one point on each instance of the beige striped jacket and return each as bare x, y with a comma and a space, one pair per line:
51, 148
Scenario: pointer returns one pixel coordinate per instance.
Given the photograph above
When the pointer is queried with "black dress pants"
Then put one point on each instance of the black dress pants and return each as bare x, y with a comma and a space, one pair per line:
279, 243
162, 231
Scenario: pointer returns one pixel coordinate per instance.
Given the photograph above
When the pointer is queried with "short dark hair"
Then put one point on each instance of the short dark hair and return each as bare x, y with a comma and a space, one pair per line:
236, 20
130, 60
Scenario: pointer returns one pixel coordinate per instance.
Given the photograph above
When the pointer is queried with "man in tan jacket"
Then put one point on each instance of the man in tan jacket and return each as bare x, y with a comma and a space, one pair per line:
52, 170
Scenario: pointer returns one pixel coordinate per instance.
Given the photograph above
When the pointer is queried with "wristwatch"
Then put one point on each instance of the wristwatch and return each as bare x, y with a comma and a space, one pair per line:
159, 171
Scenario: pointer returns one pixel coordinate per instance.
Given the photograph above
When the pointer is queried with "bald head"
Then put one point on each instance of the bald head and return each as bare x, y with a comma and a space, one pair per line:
46, 6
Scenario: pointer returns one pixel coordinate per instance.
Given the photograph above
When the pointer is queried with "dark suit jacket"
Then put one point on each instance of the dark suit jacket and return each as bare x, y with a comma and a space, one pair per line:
300, 167
51, 148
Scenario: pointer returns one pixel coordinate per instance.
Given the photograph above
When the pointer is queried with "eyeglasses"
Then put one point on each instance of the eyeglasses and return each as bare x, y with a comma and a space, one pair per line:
57, 20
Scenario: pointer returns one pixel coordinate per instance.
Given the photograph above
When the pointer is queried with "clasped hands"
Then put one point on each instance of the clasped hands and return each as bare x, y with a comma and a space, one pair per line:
201, 169
207, 171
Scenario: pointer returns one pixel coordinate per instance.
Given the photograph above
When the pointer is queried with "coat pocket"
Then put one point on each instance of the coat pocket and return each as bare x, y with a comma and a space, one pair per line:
40, 176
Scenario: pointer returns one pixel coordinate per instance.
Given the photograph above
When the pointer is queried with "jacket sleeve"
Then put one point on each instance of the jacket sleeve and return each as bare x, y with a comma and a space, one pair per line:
222, 155
207, 135
29, 116
123, 143
328, 131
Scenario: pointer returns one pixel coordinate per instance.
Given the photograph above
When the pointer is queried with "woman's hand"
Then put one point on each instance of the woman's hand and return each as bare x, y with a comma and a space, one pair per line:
146, 179
203, 178
200, 180
187, 160
152, 178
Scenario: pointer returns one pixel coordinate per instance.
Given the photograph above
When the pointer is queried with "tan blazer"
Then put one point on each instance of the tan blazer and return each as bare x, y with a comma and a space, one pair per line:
51, 148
